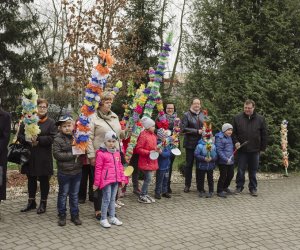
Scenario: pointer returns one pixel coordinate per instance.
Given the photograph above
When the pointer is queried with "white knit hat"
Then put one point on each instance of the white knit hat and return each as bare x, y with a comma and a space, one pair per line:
110, 135
147, 122
161, 134
226, 126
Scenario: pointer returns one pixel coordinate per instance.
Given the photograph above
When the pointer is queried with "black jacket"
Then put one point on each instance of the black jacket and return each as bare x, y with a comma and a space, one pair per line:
5, 122
41, 162
190, 125
67, 163
252, 129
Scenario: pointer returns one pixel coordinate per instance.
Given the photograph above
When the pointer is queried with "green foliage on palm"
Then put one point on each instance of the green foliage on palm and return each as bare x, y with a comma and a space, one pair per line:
249, 49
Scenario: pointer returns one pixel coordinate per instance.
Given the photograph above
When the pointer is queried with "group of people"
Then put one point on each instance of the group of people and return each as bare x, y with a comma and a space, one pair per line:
101, 165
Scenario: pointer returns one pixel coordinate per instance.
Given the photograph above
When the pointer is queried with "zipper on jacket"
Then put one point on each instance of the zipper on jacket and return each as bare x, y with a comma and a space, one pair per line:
115, 167
106, 174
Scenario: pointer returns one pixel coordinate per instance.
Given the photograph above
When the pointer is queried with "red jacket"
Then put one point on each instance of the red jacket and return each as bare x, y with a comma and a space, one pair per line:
108, 168
147, 142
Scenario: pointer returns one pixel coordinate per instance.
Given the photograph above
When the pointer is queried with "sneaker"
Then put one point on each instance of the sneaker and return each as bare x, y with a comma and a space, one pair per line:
143, 199
120, 203
222, 195
105, 223
81, 201
209, 195
117, 205
166, 195
61, 220
238, 191
186, 189
228, 191
152, 200
253, 193
137, 191
115, 221
202, 194
157, 196
75, 219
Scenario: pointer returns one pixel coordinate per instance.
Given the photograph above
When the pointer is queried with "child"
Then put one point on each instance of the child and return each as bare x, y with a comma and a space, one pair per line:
225, 148
109, 173
206, 155
164, 161
69, 171
146, 143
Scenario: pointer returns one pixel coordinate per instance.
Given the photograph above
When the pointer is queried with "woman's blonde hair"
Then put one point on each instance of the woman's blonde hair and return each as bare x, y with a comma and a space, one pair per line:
106, 96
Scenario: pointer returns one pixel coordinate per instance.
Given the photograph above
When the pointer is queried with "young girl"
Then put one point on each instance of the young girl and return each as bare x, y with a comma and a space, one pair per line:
146, 143
109, 173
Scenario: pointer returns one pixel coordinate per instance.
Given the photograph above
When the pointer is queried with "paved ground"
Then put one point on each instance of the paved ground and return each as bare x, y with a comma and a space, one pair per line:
269, 221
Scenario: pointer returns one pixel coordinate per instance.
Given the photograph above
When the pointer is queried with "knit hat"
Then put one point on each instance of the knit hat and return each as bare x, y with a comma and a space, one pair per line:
161, 134
110, 135
147, 122
226, 126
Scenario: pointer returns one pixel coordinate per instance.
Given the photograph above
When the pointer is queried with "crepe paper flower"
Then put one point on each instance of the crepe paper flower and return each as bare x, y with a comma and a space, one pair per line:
284, 145
31, 119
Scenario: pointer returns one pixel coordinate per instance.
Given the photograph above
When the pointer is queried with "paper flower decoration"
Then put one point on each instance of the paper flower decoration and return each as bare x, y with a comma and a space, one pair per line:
29, 104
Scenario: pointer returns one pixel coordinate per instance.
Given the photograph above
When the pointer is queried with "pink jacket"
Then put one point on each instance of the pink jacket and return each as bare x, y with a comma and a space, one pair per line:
108, 168
147, 141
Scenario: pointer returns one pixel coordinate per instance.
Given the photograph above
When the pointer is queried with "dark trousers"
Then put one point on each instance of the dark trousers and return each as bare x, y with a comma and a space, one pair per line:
201, 178
170, 171
44, 186
135, 175
97, 196
189, 166
68, 186
162, 177
248, 160
226, 175
86, 181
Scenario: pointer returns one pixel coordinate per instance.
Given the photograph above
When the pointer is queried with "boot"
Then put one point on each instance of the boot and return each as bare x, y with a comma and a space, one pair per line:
62, 220
42, 207
30, 205
75, 219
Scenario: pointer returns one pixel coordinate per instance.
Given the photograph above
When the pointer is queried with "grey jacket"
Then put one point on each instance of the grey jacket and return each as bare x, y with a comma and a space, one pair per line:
67, 163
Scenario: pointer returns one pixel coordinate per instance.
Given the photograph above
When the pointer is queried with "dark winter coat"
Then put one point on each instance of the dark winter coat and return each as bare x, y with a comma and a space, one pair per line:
225, 148
67, 163
164, 159
190, 125
252, 129
41, 162
201, 153
5, 123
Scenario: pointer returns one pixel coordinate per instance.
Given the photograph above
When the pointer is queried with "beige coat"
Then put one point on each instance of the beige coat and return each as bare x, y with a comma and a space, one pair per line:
98, 129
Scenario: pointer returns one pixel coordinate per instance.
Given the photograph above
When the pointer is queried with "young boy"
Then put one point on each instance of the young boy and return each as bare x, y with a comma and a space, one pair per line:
207, 155
225, 148
164, 161
69, 171
146, 144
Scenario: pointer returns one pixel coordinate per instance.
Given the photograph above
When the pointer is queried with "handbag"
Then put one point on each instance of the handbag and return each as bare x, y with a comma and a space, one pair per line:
18, 153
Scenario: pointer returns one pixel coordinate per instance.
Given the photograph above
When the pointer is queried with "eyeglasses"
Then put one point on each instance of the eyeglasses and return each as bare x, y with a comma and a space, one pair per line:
42, 107
169, 108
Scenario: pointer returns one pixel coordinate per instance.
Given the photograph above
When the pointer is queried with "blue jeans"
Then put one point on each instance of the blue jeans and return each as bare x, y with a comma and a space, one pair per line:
250, 160
68, 185
147, 181
162, 178
109, 193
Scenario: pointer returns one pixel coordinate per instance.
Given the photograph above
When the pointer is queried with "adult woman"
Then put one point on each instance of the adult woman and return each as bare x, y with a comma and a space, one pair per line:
5, 122
191, 126
40, 165
171, 115
102, 121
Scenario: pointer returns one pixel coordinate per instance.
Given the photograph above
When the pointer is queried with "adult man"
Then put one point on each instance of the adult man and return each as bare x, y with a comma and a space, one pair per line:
5, 123
191, 126
251, 127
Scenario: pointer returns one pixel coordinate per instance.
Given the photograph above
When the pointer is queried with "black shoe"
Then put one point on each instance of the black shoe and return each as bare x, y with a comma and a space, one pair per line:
30, 205
157, 196
75, 219
222, 195
42, 207
202, 194
253, 193
186, 189
228, 191
209, 195
238, 190
61, 220
98, 216
81, 201
166, 195
169, 190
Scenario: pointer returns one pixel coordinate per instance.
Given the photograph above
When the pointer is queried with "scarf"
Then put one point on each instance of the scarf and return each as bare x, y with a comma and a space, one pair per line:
43, 119
171, 119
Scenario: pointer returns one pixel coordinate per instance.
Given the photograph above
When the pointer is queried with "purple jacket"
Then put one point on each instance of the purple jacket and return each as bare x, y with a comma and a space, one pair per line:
108, 168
